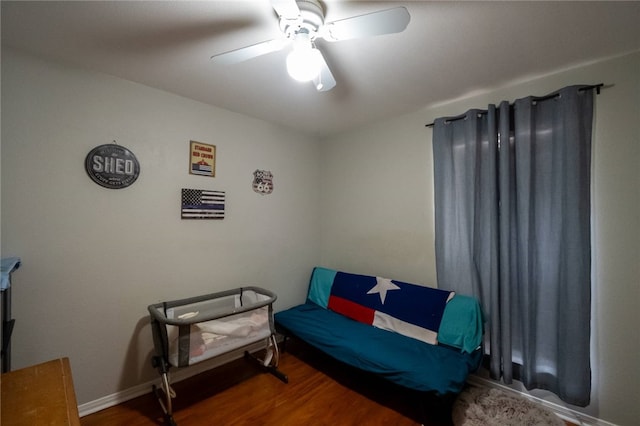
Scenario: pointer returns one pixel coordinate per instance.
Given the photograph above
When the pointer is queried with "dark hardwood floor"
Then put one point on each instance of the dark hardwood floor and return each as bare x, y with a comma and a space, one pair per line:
320, 391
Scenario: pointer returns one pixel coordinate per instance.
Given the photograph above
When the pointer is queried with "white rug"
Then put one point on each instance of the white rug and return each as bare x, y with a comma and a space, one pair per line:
477, 406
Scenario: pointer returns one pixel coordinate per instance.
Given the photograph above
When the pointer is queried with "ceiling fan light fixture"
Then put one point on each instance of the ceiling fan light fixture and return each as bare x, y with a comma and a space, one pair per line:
304, 65
302, 23
304, 61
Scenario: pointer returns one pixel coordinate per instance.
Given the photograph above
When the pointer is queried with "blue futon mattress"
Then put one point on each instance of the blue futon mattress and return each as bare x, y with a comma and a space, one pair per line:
408, 362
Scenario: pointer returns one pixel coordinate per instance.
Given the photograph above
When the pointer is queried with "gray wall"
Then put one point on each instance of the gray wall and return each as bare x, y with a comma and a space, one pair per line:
377, 217
94, 258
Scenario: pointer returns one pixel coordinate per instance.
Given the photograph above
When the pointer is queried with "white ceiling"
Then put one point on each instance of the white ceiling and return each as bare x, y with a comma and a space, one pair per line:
448, 50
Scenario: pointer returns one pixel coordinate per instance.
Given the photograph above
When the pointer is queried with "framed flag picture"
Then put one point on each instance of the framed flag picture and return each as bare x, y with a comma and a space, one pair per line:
202, 204
202, 159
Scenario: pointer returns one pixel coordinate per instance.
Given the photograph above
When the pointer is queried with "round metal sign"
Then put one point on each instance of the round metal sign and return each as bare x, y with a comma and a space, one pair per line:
112, 166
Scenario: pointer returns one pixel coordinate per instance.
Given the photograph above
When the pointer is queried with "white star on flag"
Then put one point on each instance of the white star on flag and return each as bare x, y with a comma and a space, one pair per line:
382, 286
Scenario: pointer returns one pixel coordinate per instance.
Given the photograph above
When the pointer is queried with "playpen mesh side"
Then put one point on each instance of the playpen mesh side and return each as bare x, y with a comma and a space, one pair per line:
198, 340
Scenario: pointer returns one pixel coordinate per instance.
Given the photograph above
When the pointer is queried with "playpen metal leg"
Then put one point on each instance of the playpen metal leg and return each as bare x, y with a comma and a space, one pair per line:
276, 350
167, 394
271, 359
273, 368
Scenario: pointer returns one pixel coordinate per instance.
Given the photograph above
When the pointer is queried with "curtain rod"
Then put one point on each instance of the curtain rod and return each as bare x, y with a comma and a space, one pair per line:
543, 98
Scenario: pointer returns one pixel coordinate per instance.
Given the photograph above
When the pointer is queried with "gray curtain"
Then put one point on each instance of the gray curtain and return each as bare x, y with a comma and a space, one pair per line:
512, 213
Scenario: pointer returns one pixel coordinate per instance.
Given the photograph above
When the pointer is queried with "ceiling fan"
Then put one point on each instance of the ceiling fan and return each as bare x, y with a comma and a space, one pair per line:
302, 23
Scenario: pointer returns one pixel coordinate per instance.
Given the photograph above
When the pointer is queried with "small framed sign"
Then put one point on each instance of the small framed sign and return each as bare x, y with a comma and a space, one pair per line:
263, 182
112, 166
202, 159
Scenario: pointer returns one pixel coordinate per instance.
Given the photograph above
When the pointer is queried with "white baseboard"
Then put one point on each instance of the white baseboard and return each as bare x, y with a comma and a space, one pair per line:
563, 412
113, 399
176, 376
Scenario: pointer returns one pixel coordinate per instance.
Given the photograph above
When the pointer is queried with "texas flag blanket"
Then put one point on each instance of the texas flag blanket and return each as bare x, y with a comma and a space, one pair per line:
409, 309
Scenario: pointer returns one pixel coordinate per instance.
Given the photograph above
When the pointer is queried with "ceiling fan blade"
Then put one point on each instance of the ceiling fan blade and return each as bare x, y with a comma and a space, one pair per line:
249, 52
325, 80
287, 9
388, 21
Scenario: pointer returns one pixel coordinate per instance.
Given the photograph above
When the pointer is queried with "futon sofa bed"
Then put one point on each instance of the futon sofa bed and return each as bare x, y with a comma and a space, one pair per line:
418, 337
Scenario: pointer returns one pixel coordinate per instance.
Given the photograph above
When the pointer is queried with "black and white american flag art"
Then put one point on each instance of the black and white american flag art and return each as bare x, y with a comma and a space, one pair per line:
202, 204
